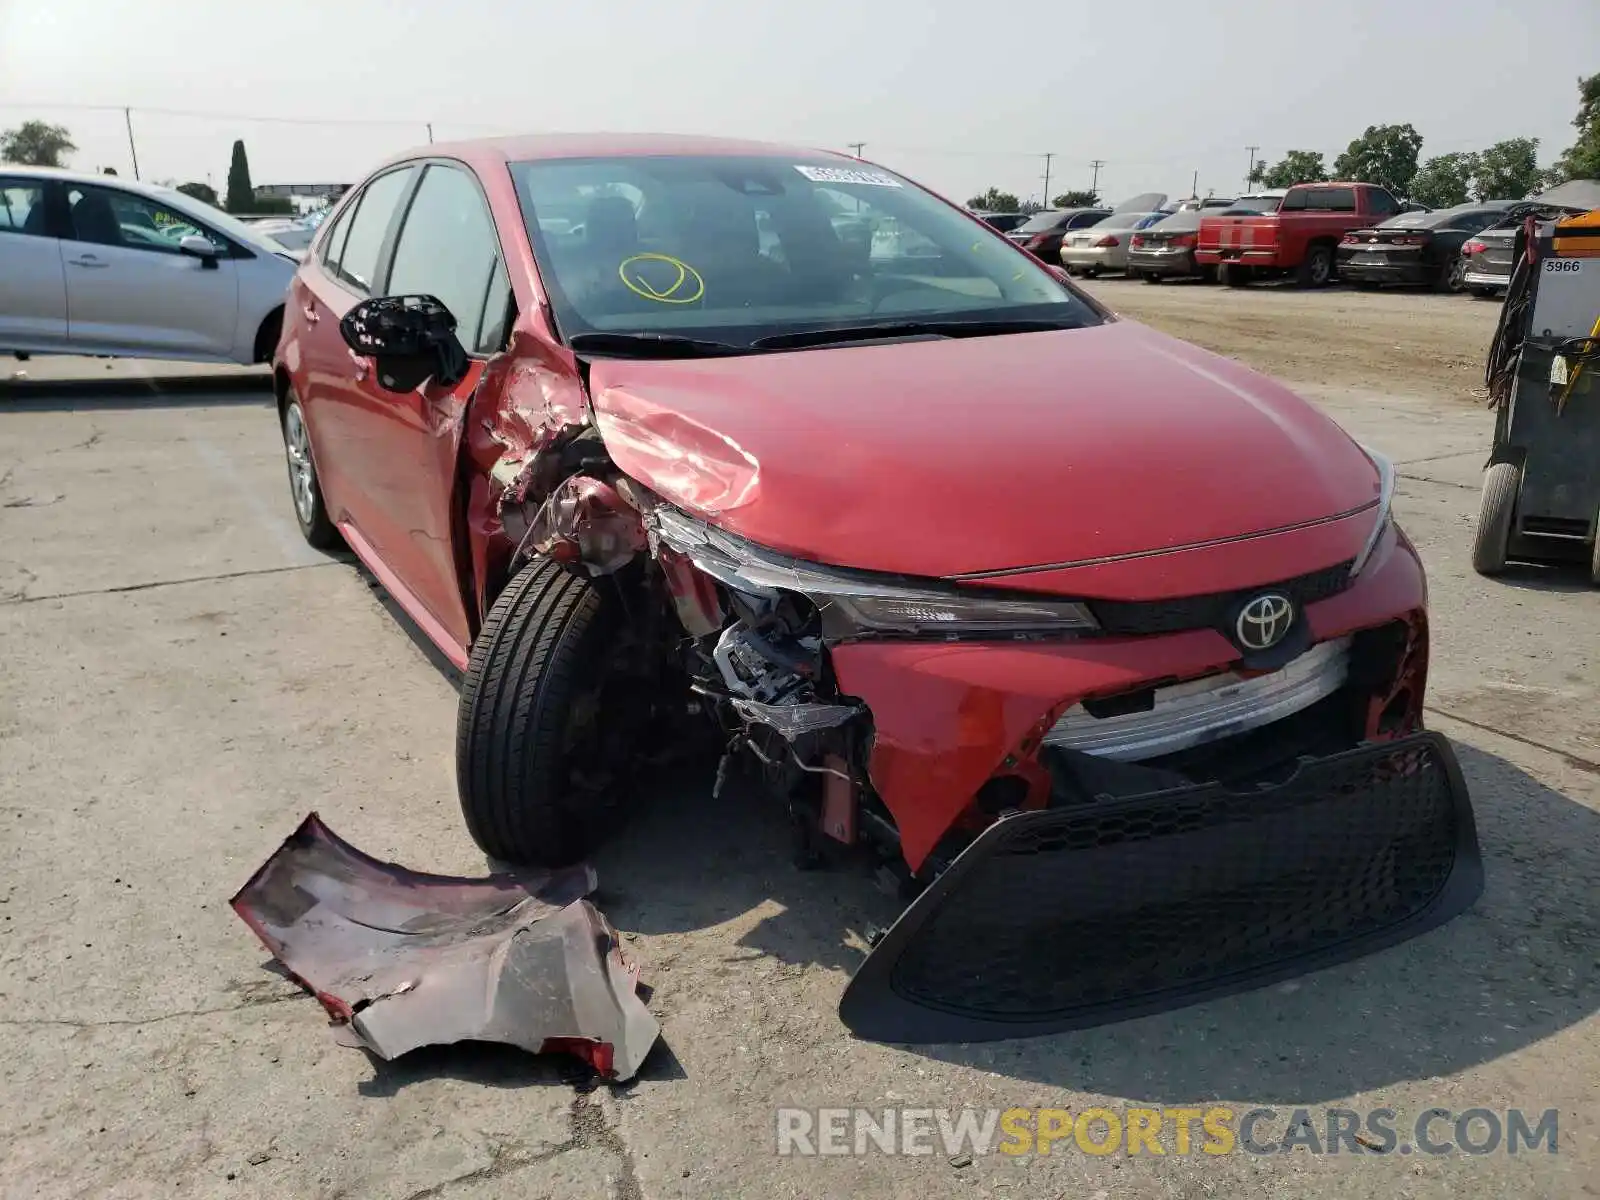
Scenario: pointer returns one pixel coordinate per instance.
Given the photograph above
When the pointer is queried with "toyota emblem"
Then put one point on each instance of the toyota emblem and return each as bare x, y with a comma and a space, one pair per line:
1265, 621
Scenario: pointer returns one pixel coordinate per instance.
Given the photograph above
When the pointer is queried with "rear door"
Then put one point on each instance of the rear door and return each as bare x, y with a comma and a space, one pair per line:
33, 283
131, 289
330, 374
446, 247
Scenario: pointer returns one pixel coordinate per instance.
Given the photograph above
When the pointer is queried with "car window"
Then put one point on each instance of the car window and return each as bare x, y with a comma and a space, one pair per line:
1296, 201
736, 248
1379, 201
22, 208
333, 240
1044, 222
447, 248
110, 217
1331, 199
1084, 220
358, 261
496, 317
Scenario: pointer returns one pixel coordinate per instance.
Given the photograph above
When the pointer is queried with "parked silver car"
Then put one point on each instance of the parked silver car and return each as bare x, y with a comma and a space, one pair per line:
1104, 245
93, 264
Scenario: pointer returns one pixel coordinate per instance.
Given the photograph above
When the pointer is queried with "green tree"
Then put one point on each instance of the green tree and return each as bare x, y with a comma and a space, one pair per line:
241, 194
1078, 199
1508, 170
35, 144
200, 191
1298, 166
1384, 154
1582, 158
1444, 180
994, 200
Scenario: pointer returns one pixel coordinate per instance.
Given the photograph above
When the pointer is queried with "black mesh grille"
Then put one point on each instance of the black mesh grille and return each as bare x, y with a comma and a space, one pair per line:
1211, 611
1071, 917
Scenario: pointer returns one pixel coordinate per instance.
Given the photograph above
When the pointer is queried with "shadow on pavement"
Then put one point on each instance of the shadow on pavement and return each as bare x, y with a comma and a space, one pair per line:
113, 392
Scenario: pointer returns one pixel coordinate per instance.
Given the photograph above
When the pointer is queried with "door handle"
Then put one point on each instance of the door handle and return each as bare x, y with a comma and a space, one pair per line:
87, 260
309, 312
362, 366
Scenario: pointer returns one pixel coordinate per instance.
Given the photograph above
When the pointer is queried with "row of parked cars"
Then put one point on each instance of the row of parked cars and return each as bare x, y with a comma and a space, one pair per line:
1313, 232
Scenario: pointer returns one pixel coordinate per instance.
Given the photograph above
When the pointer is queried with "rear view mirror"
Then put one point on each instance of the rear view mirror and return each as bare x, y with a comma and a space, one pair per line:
411, 338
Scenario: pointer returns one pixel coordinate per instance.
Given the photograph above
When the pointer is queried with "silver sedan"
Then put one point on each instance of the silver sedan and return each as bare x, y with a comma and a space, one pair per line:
1104, 245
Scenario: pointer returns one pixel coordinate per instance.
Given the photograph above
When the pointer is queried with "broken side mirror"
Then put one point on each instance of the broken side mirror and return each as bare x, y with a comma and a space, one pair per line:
411, 339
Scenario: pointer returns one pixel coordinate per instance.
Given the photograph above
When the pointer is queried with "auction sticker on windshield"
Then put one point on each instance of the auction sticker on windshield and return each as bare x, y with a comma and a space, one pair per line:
847, 175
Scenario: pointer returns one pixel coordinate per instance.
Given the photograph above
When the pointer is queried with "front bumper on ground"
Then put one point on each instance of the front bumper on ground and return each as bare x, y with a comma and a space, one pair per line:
1099, 911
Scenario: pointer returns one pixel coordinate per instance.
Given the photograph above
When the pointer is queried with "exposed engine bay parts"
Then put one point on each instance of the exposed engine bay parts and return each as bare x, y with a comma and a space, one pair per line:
403, 959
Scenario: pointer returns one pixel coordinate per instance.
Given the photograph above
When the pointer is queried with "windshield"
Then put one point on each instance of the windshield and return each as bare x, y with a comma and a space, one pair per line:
745, 248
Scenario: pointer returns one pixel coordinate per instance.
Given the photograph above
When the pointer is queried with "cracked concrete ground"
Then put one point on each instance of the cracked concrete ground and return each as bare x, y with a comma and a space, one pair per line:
185, 679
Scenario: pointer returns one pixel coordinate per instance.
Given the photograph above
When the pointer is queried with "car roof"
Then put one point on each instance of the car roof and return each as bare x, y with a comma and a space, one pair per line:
533, 146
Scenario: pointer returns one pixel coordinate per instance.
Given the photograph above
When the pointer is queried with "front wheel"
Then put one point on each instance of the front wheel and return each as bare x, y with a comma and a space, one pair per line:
1502, 483
304, 487
535, 763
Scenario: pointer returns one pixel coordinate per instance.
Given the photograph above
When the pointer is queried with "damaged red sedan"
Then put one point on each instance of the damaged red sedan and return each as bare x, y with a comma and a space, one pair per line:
1107, 646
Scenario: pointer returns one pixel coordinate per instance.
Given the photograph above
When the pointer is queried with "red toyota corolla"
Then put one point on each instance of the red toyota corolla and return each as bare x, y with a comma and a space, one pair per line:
1109, 647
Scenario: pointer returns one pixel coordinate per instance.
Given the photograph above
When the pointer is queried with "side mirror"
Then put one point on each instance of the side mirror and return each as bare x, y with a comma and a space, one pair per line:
411, 338
200, 247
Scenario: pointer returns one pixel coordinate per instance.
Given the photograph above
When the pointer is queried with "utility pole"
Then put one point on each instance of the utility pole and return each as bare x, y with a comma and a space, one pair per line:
127, 117
430, 133
1252, 169
858, 147
1194, 186
1094, 187
1047, 159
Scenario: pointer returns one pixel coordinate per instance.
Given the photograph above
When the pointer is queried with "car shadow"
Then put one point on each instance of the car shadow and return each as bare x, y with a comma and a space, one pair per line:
1572, 576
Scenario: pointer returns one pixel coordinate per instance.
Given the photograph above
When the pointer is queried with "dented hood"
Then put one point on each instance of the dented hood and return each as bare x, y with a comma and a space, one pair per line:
942, 457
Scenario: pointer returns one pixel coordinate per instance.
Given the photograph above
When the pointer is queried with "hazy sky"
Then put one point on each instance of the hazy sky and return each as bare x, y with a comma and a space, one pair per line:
955, 93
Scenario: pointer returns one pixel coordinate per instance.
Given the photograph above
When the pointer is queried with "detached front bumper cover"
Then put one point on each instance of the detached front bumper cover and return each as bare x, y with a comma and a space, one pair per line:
1076, 916
406, 959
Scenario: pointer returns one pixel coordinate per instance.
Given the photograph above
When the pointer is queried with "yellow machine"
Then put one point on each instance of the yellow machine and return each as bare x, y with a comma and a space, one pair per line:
1541, 491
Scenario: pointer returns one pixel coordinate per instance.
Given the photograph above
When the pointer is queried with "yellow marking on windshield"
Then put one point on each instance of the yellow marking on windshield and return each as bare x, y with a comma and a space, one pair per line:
639, 285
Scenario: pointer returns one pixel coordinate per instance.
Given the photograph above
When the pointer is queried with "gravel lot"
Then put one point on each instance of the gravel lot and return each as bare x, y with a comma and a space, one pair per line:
185, 680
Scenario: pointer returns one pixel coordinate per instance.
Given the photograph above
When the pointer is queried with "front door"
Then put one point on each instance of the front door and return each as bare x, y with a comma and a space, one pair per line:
446, 248
33, 284
130, 289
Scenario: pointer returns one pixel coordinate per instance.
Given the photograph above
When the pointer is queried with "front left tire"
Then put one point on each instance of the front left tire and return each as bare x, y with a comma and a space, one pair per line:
305, 490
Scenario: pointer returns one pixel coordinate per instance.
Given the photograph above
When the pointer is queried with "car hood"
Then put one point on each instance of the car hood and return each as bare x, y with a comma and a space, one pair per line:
944, 457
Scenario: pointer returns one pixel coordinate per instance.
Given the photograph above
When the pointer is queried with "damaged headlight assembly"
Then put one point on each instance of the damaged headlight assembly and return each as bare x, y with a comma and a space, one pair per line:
860, 602
1386, 478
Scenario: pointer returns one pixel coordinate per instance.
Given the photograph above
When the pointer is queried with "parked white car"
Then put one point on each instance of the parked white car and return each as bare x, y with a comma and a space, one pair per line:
95, 264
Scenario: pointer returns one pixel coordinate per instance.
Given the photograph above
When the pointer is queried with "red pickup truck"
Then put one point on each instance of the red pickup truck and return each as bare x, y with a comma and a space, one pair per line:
1299, 237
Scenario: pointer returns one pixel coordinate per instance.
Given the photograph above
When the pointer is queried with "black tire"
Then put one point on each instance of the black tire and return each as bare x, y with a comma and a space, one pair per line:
539, 658
1479, 293
1091, 272
1208, 273
1502, 483
1449, 277
305, 488
1152, 277
267, 336
1316, 269
1233, 275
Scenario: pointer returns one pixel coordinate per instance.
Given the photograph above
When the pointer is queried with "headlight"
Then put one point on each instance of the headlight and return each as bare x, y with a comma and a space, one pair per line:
1385, 498
869, 603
